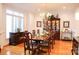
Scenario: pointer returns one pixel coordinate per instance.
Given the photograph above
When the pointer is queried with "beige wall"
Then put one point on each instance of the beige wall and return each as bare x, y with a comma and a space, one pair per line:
64, 15
2, 26
25, 22
32, 21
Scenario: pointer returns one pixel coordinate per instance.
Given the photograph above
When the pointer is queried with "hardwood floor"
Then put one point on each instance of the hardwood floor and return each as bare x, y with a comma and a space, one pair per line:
60, 48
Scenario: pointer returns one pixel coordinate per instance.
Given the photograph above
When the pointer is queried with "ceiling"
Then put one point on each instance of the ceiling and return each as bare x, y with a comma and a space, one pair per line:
37, 7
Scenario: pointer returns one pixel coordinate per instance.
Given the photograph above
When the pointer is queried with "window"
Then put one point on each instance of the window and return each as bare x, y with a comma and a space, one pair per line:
14, 20
8, 25
77, 15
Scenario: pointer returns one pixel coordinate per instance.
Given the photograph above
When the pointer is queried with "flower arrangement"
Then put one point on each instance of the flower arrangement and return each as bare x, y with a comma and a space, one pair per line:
51, 17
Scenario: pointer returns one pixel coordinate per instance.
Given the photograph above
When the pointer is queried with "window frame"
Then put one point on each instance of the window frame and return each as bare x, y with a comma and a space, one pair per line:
19, 22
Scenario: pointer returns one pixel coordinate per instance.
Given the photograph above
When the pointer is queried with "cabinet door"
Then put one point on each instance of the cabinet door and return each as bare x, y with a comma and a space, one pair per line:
49, 24
45, 24
57, 25
53, 24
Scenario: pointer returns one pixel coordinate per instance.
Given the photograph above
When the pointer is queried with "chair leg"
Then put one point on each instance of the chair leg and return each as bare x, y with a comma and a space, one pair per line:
24, 51
29, 51
72, 51
54, 41
49, 50
52, 44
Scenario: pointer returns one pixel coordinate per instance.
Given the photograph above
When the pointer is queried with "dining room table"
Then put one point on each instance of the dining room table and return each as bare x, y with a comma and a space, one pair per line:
39, 39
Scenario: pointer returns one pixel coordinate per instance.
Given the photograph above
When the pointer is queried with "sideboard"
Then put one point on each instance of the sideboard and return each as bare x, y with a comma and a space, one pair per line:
15, 38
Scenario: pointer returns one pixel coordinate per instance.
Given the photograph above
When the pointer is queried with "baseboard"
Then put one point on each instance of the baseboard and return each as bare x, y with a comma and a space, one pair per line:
4, 46
66, 40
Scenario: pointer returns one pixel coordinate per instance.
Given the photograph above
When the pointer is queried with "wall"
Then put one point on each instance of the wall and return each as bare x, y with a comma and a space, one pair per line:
69, 15
0, 23
2, 26
64, 15
25, 21
32, 22
75, 25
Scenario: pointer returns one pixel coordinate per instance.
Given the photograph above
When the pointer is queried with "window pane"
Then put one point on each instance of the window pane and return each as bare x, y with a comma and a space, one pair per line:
77, 15
16, 13
16, 23
9, 11
14, 20
21, 15
8, 25
21, 24
13, 27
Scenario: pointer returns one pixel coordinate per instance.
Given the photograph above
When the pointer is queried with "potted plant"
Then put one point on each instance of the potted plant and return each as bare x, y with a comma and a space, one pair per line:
51, 17
18, 29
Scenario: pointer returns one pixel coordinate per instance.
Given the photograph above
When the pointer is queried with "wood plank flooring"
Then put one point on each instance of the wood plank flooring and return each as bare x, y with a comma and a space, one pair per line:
60, 48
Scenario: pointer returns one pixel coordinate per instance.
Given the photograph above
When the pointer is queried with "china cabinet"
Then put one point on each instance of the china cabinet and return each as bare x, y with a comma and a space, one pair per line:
52, 24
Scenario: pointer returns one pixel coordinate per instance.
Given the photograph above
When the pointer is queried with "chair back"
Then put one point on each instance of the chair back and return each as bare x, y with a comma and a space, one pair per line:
38, 31
29, 43
28, 39
33, 33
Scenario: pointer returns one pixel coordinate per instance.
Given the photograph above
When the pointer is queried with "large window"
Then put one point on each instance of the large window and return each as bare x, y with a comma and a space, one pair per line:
14, 20
77, 15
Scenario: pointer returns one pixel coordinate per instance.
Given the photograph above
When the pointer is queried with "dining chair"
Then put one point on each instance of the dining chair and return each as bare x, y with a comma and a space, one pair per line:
33, 33
46, 45
29, 44
52, 38
38, 31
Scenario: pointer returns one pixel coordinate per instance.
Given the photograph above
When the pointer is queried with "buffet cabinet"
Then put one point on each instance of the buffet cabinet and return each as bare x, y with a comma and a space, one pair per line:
75, 46
66, 35
15, 38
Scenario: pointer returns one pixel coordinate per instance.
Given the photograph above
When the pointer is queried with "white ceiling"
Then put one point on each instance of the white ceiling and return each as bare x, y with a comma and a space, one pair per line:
36, 7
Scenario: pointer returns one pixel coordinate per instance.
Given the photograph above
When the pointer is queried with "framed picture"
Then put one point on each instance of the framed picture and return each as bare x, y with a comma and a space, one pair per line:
38, 24
66, 24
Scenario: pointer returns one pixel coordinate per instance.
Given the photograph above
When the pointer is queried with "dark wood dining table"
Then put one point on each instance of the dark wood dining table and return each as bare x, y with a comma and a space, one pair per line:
38, 40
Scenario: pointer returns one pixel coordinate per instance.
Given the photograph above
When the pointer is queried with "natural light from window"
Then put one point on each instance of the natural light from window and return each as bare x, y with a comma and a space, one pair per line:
77, 15
14, 20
